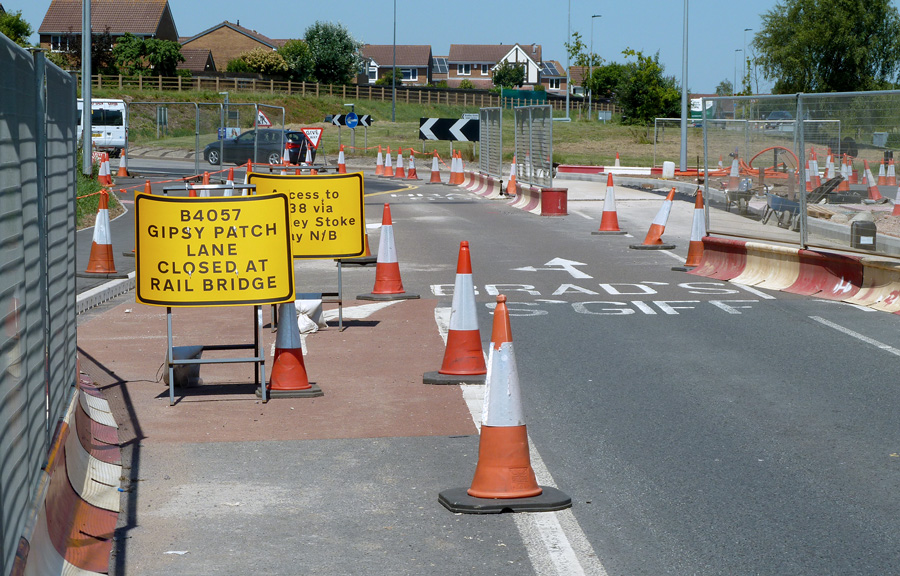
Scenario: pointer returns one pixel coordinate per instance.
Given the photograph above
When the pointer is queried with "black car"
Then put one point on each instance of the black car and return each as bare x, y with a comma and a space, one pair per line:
779, 119
270, 145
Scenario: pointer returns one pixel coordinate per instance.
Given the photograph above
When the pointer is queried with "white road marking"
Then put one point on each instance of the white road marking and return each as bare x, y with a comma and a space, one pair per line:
754, 291
857, 335
673, 255
555, 542
582, 214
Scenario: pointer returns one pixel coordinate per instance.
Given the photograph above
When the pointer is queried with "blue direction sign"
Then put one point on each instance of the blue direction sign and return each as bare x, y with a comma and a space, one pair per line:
352, 120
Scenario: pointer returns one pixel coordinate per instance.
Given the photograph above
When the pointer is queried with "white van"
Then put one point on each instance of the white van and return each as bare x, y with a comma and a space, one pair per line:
109, 124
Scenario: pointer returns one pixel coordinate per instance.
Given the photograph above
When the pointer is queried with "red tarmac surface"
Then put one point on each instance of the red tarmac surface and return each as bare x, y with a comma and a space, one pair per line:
371, 374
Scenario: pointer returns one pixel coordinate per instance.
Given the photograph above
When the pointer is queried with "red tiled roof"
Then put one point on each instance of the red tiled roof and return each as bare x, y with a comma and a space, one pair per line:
489, 53
140, 17
195, 59
407, 55
237, 28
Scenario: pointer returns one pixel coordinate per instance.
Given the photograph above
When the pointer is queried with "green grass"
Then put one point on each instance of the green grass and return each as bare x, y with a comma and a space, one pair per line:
576, 142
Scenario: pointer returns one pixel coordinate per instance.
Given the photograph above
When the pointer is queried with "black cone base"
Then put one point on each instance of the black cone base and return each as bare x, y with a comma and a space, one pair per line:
458, 500
609, 233
361, 261
438, 378
313, 391
652, 246
385, 297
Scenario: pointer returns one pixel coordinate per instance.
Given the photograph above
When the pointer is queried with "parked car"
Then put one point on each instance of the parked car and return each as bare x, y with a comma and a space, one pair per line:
779, 119
270, 145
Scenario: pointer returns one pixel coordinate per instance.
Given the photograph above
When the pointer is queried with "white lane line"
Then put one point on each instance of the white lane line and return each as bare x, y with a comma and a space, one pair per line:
755, 291
582, 214
555, 542
857, 335
673, 255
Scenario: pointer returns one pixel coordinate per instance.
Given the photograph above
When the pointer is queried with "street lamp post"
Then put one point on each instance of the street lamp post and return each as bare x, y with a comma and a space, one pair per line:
394, 71
568, 60
591, 63
684, 91
733, 86
744, 68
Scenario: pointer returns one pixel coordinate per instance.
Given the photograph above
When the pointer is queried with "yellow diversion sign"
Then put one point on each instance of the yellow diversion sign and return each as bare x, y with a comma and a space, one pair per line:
224, 251
326, 213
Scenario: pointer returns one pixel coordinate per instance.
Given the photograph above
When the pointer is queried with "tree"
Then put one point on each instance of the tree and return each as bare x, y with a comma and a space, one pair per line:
645, 93
299, 60
725, 88
335, 53
388, 79
129, 53
163, 56
604, 81
264, 61
509, 75
14, 27
466, 84
829, 45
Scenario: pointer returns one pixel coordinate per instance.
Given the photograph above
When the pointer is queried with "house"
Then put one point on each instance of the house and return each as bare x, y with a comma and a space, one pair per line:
197, 60
476, 62
61, 28
414, 62
553, 77
227, 41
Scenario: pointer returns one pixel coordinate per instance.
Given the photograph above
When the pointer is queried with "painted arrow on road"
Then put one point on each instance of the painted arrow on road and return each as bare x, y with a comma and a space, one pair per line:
560, 264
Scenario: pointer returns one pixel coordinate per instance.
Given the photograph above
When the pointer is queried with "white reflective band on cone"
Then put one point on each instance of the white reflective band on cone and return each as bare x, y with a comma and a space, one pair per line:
698, 227
462, 310
387, 252
502, 402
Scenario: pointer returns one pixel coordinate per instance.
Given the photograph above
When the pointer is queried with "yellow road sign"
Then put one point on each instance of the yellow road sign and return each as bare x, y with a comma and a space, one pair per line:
327, 212
225, 251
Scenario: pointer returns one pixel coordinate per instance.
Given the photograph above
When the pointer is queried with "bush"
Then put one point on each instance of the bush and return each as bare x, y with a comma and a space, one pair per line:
466, 85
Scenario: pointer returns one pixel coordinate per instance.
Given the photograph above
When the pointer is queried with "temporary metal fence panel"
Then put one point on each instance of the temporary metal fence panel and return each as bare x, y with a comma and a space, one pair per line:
800, 170
534, 145
191, 126
490, 157
37, 269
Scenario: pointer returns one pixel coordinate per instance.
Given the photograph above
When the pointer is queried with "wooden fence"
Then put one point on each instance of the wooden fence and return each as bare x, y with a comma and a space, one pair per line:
408, 95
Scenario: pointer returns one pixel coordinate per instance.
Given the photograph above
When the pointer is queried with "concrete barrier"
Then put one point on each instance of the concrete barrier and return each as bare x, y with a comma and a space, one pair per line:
880, 286
723, 259
768, 266
830, 276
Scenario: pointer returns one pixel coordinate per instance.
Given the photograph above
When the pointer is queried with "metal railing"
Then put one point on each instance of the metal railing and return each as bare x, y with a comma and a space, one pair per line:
534, 145
490, 143
37, 277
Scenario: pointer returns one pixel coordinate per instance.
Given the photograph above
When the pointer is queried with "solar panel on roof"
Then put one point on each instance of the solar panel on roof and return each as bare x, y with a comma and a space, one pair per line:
440, 66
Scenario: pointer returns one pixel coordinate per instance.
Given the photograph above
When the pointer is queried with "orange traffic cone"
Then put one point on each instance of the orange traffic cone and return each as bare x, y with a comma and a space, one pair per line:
104, 176
874, 192
460, 169
342, 166
511, 183
388, 165
653, 241
411, 173
882, 175
609, 222
698, 232
230, 183
147, 188
463, 357
455, 174
123, 167
289, 378
809, 187
896, 210
435, 170
815, 178
379, 163
504, 479
388, 285
720, 162
101, 258
617, 160
891, 173
204, 192
844, 185
734, 178
399, 172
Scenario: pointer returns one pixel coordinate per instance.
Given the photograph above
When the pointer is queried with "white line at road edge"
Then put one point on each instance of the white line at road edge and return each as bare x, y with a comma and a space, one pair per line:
555, 542
674, 255
856, 335
582, 214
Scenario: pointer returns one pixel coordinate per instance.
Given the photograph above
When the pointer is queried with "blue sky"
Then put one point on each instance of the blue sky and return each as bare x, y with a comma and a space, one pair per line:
716, 29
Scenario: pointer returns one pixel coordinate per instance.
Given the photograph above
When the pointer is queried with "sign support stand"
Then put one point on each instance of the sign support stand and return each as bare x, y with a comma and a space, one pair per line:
259, 359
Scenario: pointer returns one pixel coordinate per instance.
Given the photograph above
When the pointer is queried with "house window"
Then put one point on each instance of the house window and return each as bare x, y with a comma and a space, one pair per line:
59, 43
485, 69
410, 74
553, 83
463, 69
373, 74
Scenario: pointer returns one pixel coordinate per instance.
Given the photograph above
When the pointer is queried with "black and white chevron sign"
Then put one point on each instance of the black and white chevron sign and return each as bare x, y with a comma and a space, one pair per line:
448, 129
341, 120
